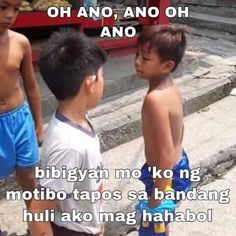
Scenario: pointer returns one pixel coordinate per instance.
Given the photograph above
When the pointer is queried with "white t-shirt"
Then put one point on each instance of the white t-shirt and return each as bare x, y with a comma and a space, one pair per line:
69, 146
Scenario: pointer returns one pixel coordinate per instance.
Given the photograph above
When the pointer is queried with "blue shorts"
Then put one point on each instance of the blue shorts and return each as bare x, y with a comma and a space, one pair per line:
18, 142
178, 184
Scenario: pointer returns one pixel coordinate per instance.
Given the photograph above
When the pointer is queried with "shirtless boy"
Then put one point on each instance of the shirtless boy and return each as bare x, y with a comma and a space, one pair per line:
159, 51
18, 141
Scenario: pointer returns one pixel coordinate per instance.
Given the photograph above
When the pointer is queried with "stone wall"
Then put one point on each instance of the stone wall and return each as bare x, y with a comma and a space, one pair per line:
225, 8
216, 3
216, 15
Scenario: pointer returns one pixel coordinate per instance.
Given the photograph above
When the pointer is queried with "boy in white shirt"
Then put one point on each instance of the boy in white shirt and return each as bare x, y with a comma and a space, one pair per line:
71, 66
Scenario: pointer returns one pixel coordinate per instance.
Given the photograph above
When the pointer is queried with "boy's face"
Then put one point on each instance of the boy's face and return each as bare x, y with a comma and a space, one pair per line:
149, 65
96, 89
8, 12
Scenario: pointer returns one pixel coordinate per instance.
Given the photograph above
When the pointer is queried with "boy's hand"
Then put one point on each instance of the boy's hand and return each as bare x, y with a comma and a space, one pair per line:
166, 205
39, 134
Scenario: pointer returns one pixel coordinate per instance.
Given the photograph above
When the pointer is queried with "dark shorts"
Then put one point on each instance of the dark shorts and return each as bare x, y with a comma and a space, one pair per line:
178, 184
18, 142
61, 231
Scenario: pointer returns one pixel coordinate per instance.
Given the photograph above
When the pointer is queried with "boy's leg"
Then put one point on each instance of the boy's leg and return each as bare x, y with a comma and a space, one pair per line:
167, 230
7, 147
26, 180
27, 155
152, 229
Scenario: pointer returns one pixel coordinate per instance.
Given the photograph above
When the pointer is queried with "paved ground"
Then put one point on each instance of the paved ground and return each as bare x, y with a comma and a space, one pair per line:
223, 215
211, 129
223, 223
206, 133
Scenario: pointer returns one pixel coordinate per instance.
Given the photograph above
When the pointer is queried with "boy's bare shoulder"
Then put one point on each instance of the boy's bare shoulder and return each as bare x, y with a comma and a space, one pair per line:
155, 98
154, 104
19, 38
166, 97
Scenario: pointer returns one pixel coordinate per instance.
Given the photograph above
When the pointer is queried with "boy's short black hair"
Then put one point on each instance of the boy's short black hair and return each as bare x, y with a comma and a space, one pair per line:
168, 42
66, 59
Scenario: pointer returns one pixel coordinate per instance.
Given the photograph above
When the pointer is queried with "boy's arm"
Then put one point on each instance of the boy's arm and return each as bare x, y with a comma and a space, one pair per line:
158, 140
58, 158
41, 228
32, 89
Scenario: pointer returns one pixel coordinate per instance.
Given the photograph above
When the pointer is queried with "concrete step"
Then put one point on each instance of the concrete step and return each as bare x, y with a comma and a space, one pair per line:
216, 3
210, 7
118, 121
226, 11
210, 34
214, 43
200, 20
120, 79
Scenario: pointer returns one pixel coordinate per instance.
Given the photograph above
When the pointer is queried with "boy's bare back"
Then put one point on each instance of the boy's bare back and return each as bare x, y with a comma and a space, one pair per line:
15, 56
162, 111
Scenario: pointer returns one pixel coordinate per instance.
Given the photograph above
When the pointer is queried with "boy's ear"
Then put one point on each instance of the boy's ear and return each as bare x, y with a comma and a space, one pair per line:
169, 66
89, 83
